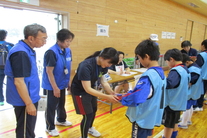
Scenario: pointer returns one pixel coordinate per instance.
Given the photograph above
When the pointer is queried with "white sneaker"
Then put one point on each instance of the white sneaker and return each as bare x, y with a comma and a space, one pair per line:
66, 123
94, 132
182, 126
196, 109
189, 123
53, 132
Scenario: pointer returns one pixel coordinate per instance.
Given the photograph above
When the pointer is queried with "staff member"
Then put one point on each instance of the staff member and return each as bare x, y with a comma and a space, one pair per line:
55, 80
90, 71
23, 85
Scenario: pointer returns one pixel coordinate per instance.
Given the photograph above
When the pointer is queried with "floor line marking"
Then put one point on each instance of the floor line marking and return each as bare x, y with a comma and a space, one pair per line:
70, 126
159, 134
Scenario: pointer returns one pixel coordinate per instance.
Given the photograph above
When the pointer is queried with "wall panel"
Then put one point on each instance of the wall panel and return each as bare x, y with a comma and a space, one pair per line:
137, 19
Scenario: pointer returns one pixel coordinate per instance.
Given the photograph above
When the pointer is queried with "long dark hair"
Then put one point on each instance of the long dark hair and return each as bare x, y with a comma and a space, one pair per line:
107, 53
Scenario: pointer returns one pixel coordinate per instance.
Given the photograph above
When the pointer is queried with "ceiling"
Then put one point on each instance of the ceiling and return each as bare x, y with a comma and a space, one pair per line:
199, 6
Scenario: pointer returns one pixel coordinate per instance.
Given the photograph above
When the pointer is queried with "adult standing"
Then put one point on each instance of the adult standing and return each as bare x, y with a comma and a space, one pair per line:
91, 71
186, 48
22, 90
56, 77
7, 46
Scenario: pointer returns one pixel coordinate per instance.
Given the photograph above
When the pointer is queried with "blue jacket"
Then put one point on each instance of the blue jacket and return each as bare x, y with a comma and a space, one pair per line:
176, 98
204, 67
149, 113
63, 61
32, 82
196, 89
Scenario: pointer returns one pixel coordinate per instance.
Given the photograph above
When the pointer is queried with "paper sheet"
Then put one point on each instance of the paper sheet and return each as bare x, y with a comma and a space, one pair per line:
140, 70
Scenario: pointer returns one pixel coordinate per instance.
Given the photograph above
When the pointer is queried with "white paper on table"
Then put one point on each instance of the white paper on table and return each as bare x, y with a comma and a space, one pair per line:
131, 73
140, 70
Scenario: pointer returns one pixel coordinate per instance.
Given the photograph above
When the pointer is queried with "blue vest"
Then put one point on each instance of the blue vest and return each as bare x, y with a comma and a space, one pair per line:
196, 89
204, 67
149, 114
176, 98
63, 61
32, 82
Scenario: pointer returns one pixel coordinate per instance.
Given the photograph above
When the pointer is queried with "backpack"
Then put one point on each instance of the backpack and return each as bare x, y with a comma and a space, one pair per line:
3, 54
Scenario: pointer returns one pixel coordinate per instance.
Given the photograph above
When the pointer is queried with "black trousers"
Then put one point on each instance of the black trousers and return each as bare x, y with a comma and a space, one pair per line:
55, 104
25, 122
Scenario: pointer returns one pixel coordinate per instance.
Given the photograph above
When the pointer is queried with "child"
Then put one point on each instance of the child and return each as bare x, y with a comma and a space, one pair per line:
146, 100
196, 89
120, 69
202, 62
177, 88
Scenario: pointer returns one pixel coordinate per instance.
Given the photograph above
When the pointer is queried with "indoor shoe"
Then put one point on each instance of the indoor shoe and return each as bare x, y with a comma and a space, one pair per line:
66, 123
196, 109
94, 132
189, 123
182, 126
53, 132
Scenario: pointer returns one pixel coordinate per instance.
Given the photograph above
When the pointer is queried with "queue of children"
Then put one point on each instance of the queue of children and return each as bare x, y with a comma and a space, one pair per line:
158, 94
186, 79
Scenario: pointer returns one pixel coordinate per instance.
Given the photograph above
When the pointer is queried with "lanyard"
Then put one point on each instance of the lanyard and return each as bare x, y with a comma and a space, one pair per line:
63, 59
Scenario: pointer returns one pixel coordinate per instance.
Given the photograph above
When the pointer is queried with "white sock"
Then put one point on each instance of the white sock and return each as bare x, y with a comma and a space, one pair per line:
185, 117
191, 113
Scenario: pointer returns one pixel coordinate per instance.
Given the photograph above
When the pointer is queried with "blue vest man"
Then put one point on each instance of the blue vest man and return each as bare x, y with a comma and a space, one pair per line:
22, 89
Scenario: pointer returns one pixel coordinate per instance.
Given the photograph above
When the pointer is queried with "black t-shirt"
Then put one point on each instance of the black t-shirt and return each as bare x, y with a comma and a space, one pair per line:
192, 52
20, 64
50, 58
88, 70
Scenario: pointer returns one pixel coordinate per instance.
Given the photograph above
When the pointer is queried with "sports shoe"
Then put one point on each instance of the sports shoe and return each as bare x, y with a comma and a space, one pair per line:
189, 123
53, 132
66, 123
1, 103
94, 132
182, 126
198, 109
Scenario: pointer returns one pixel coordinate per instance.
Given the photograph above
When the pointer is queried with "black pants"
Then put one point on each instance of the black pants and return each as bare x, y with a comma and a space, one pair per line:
53, 104
24, 129
201, 99
87, 122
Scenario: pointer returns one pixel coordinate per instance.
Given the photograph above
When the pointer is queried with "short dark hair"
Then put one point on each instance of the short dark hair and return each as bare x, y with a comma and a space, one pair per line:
204, 43
33, 29
185, 58
107, 53
64, 34
173, 53
3, 34
185, 44
148, 47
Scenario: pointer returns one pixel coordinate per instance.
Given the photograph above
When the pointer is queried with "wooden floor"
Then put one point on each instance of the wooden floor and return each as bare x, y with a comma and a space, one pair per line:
114, 125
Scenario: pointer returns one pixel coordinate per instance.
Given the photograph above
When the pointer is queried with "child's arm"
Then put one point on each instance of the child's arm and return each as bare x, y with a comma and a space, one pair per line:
173, 79
199, 60
139, 94
194, 77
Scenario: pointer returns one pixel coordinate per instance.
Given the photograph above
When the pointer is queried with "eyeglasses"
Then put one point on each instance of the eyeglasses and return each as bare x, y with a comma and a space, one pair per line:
42, 39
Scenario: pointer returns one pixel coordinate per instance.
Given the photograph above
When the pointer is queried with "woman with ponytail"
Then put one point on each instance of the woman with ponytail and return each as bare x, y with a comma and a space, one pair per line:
92, 71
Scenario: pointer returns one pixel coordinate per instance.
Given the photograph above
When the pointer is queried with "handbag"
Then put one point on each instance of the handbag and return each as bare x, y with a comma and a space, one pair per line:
42, 103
